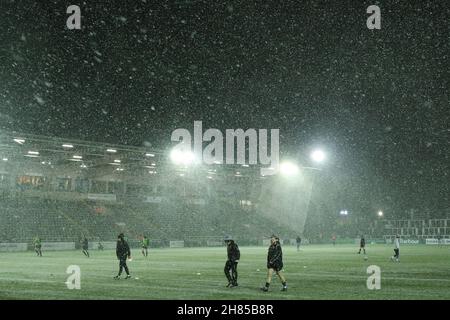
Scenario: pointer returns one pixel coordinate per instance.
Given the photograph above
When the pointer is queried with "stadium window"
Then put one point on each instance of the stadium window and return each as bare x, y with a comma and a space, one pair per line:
4, 180
133, 189
81, 185
63, 183
115, 187
98, 186
26, 182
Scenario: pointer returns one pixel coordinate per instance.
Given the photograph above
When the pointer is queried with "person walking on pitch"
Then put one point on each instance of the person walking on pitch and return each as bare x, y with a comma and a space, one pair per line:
123, 252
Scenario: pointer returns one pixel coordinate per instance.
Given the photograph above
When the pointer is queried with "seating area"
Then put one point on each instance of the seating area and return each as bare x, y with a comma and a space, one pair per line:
21, 220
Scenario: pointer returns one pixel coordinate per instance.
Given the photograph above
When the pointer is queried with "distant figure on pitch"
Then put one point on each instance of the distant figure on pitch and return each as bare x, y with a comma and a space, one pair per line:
85, 247
123, 252
333, 239
100, 246
233, 254
274, 263
145, 243
299, 241
396, 256
38, 246
362, 245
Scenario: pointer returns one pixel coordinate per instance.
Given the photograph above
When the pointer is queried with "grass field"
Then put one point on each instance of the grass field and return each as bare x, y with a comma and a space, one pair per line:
316, 272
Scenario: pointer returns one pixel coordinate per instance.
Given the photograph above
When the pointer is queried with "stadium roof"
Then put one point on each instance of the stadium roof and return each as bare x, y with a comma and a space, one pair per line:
20, 149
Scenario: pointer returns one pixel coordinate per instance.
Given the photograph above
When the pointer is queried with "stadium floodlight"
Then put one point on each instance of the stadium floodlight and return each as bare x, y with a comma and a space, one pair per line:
117, 161
66, 145
318, 156
182, 157
111, 150
33, 153
83, 166
380, 213
5, 159
19, 141
77, 157
149, 155
343, 213
245, 165
288, 169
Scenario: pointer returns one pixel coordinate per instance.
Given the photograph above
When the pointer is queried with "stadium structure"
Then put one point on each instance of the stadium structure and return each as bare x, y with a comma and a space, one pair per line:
62, 189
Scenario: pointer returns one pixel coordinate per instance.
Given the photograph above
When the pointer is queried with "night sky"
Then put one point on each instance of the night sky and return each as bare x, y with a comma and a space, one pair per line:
376, 100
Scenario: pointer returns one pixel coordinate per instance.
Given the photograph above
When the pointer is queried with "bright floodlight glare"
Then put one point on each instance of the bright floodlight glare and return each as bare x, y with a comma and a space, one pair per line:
318, 156
288, 169
380, 213
66, 145
111, 150
19, 141
181, 157
344, 212
5, 159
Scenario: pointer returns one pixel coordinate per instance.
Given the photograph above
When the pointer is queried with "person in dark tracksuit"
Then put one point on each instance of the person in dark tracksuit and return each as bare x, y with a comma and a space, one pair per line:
85, 247
38, 246
275, 263
299, 241
123, 252
231, 265
362, 245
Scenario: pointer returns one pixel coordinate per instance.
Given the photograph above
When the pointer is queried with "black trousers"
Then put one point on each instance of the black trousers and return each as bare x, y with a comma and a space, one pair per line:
123, 265
231, 271
397, 253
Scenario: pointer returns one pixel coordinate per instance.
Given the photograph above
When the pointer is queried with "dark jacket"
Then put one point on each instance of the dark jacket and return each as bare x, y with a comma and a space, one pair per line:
233, 252
85, 244
275, 256
362, 242
122, 249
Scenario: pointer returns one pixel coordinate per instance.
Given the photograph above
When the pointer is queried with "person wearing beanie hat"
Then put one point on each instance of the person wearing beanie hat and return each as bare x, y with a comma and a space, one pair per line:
234, 255
123, 252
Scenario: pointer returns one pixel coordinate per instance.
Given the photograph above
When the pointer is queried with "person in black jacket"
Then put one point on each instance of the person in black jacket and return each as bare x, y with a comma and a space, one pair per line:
231, 265
122, 252
274, 263
299, 241
362, 245
85, 246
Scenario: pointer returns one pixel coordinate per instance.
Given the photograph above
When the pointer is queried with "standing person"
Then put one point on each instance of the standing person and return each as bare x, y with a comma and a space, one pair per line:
396, 256
274, 263
299, 241
38, 246
362, 245
145, 243
85, 247
333, 239
233, 254
123, 252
